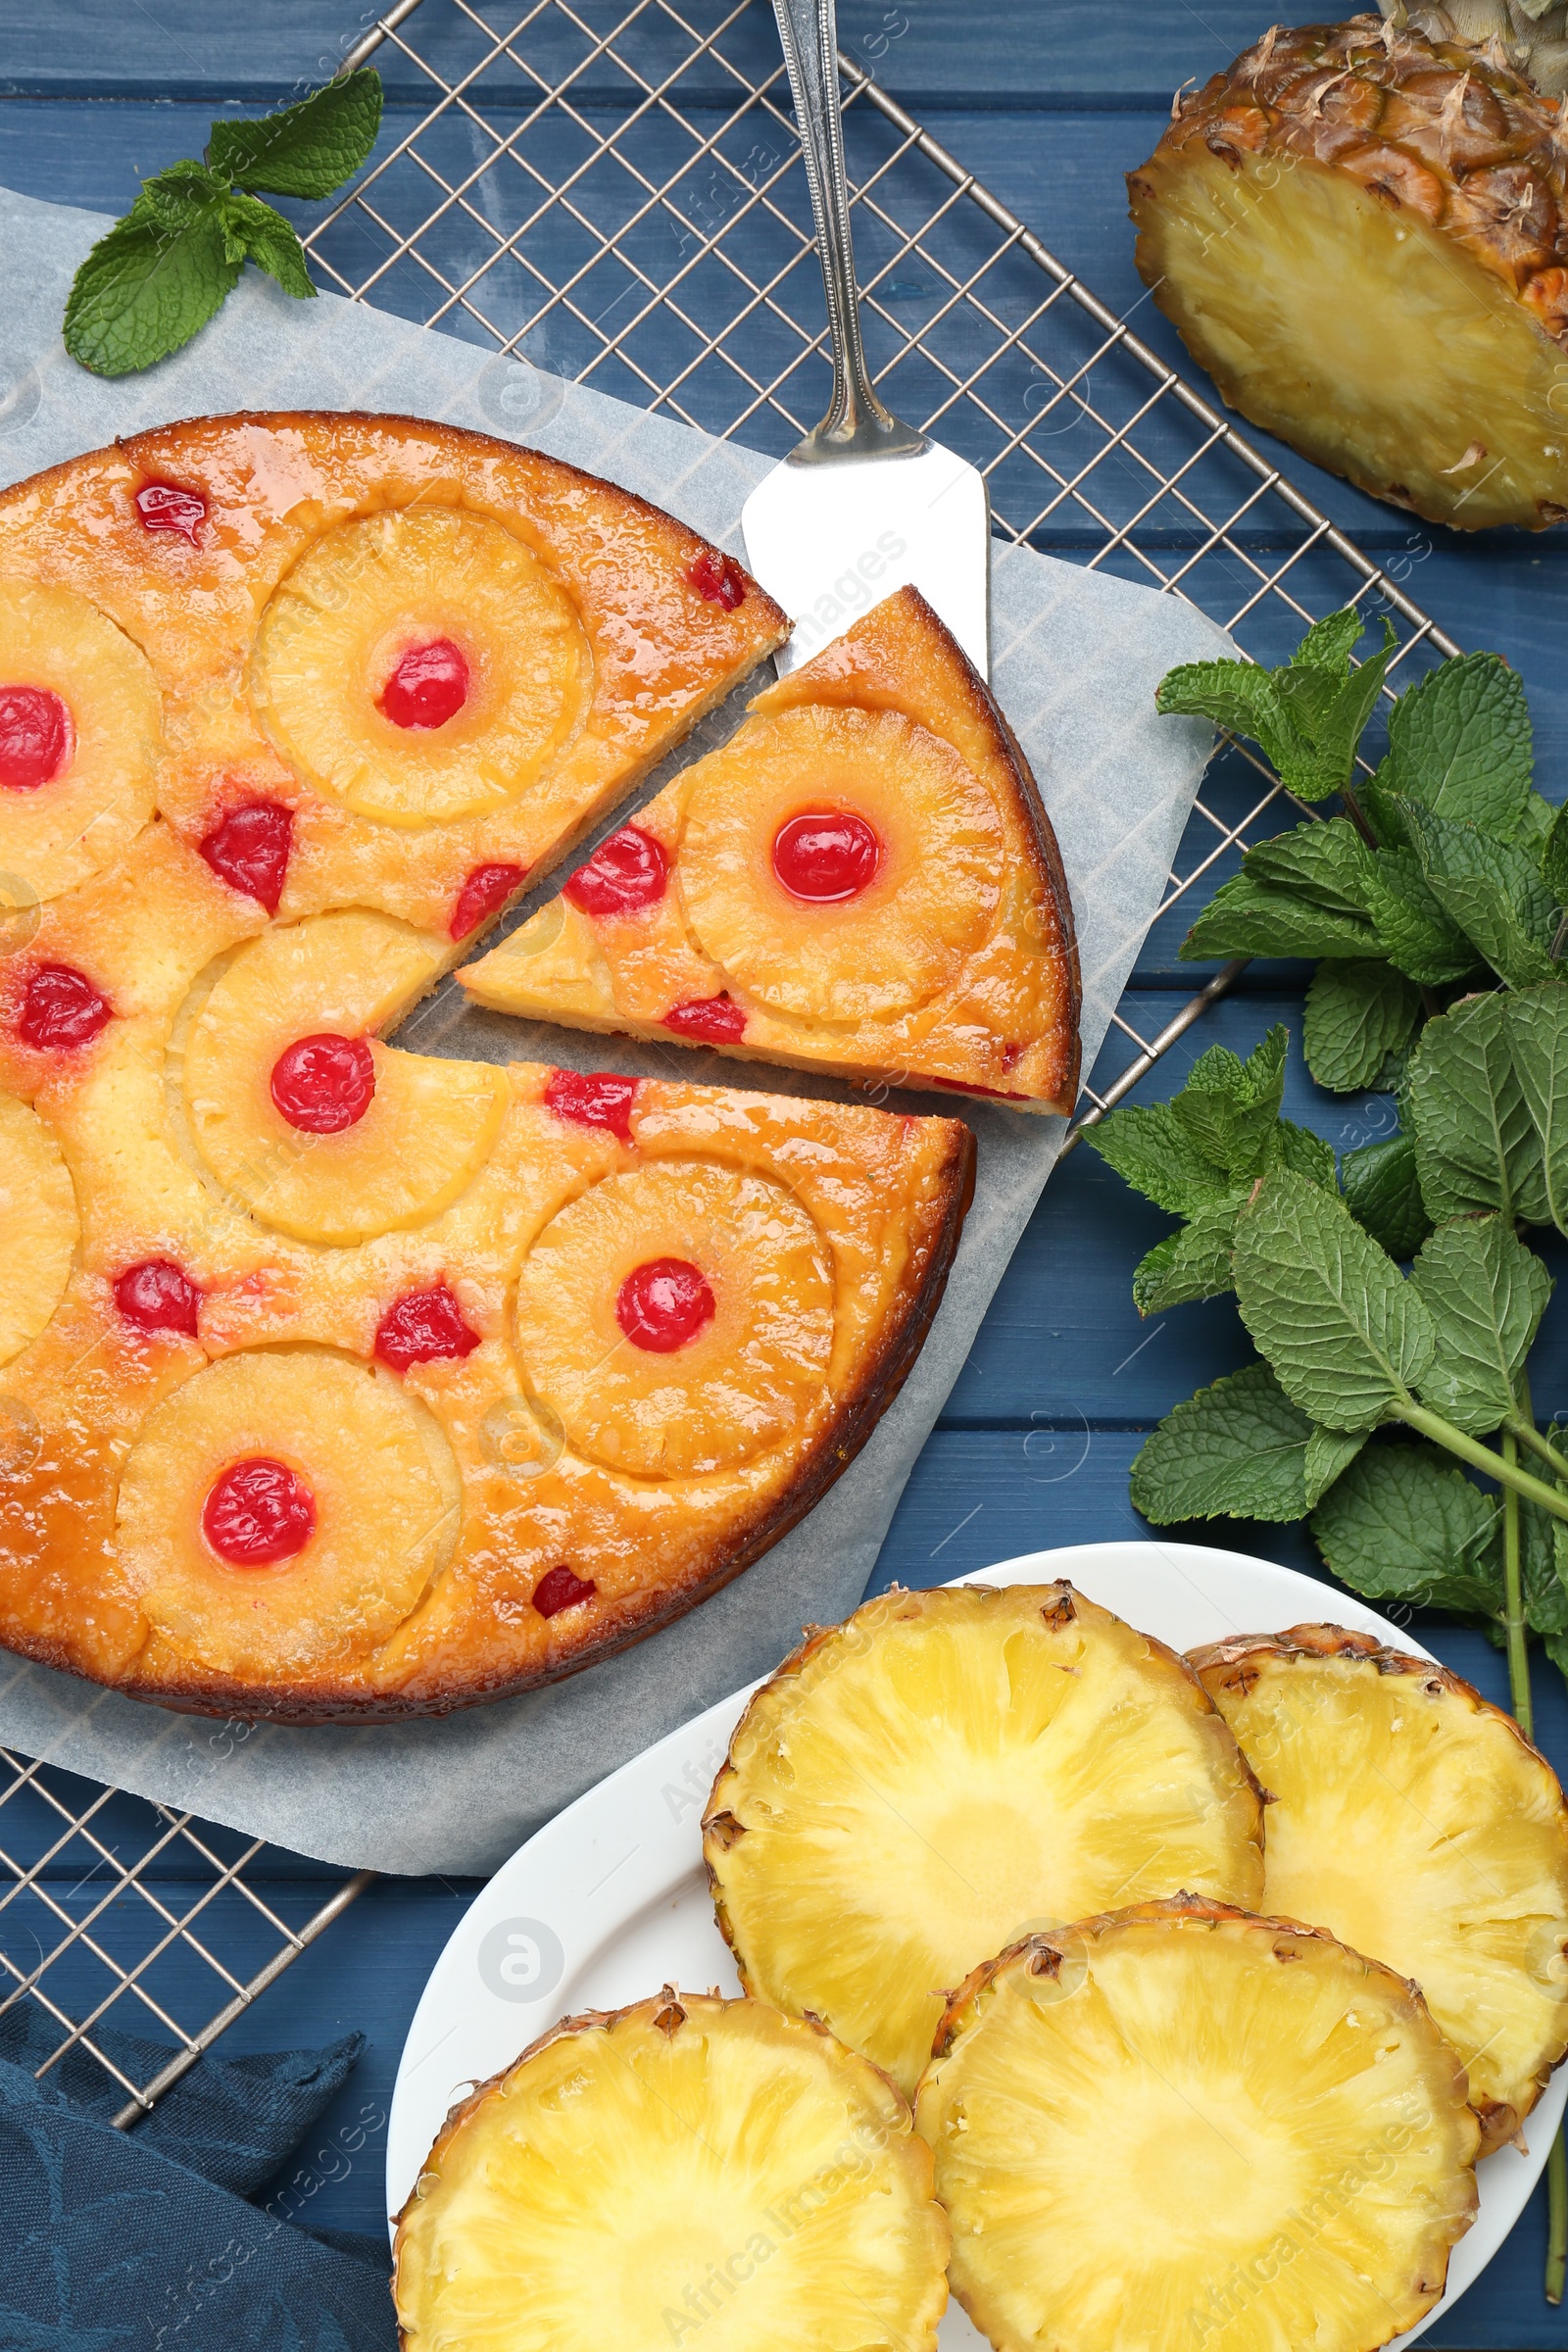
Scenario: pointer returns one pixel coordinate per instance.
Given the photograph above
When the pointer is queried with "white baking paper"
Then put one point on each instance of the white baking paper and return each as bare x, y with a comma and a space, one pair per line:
1076, 657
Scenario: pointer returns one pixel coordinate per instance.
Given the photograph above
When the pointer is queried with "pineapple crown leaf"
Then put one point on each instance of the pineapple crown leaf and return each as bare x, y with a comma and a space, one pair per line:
167, 266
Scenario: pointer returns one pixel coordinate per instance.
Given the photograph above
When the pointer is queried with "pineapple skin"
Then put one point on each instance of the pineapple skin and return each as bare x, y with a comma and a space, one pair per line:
1362, 235
1505, 2081
881, 2149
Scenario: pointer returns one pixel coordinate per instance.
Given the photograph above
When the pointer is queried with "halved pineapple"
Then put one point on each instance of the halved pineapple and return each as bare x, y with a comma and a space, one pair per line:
284, 1507
678, 1317
947, 1771
688, 2166
373, 591
81, 737
413, 1130
1417, 1823
1180, 2124
39, 1228
884, 946
1360, 233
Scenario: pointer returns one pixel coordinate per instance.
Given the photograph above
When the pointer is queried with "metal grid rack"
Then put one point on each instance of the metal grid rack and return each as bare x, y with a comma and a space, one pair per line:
613, 190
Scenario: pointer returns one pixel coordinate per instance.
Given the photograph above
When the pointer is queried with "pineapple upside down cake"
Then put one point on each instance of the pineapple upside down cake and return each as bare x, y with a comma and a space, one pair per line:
343, 1380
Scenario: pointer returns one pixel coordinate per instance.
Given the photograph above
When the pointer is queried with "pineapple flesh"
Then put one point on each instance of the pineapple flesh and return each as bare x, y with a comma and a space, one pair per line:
366, 594
947, 1772
385, 1493
426, 1130
750, 1376
689, 2169
1359, 232
68, 826
38, 1226
1416, 1821
1181, 2124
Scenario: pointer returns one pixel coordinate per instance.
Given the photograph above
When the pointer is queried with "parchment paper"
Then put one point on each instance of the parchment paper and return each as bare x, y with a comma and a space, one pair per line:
1076, 657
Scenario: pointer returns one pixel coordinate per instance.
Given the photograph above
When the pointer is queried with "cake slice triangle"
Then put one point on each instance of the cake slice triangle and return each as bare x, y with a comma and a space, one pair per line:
863, 880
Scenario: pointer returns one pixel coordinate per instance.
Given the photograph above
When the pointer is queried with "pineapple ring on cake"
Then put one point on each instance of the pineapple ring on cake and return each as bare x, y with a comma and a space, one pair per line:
1415, 1821
39, 1228
419, 665
1183, 2124
282, 1507
81, 738
688, 2163
917, 824
946, 1770
679, 1319
317, 1128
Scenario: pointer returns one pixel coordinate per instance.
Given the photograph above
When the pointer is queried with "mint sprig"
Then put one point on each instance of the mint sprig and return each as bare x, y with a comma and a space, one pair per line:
160, 273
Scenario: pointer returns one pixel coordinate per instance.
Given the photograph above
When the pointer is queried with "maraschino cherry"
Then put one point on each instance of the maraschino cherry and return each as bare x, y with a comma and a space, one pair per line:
324, 1084
593, 1098
159, 1296
484, 893
249, 848
62, 1009
421, 1327
826, 855
428, 685
36, 737
718, 1019
719, 579
664, 1303
171, 507
625, 873
259, 1512
557, 1588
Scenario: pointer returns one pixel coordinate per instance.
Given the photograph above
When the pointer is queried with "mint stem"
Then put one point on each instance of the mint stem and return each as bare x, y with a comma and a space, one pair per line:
1528, 1435
1481, 1457
1514, 1607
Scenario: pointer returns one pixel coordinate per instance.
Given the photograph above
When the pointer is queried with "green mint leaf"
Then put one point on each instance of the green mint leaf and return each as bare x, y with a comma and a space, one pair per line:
1329, 1455
1194, 1262
1380, 806
156, 277
1486, 1293
1383, 1194
1476, 1146
1534, 1025
303, 150
1543, 1557
1459, 742
1412, 930
1330, 642
1237, 1450
1244, 919
1492, 891
1356, 1015
1348, 1337
257, 233
1150, 1148
1535, 823
1401, 1525
1311, 1156
1230, 1108
1334, 726
1234, 695
1554, 858
1328, 863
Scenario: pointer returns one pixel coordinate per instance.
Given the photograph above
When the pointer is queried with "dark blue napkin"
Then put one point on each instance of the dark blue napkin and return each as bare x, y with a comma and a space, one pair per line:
145, 2241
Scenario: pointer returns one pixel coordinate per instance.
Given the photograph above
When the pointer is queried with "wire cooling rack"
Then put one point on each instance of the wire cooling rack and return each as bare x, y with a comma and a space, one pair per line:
615, 193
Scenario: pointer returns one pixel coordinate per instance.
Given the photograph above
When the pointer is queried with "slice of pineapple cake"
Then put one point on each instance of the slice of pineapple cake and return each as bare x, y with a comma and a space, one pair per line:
863, 880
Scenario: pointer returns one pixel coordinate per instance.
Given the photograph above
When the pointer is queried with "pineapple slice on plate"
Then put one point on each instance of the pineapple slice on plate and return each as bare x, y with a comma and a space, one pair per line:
688, 2166
38, 1226
916, 1788
1360, 233
80, 739
863, 880
1417, 1823
321, 1132
679, 1319
1184, 2125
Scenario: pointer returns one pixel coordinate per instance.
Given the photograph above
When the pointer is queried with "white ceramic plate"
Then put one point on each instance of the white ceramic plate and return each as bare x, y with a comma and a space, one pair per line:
610, 1900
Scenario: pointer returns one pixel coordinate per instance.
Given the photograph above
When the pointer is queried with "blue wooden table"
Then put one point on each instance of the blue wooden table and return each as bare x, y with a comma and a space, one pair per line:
1051, 107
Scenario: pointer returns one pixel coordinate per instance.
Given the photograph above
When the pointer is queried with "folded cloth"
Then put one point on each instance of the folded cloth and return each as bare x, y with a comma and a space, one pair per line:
114, 2242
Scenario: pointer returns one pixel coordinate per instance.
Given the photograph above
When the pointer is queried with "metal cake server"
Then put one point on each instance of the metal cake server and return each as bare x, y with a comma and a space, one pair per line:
864, 505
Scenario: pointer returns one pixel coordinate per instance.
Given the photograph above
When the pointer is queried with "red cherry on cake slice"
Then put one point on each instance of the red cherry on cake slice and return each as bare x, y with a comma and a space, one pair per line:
158, 1296
171, 507
826, 855
557, 1588
421, 1327
62, 1009
719, 1019
428, 685
719, 579
247, 848
625, 873
593, 1098
484, 893
664, 1303
36, 737
259, 1512
324, 1084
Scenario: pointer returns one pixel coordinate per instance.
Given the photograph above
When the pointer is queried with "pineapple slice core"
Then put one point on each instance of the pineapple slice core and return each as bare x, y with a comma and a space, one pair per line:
1181, 2124
38, 1226
888, 946
62, 831
373, 591
945, 1772
381, 1477
429, 1126
689, 2169
755, 1369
